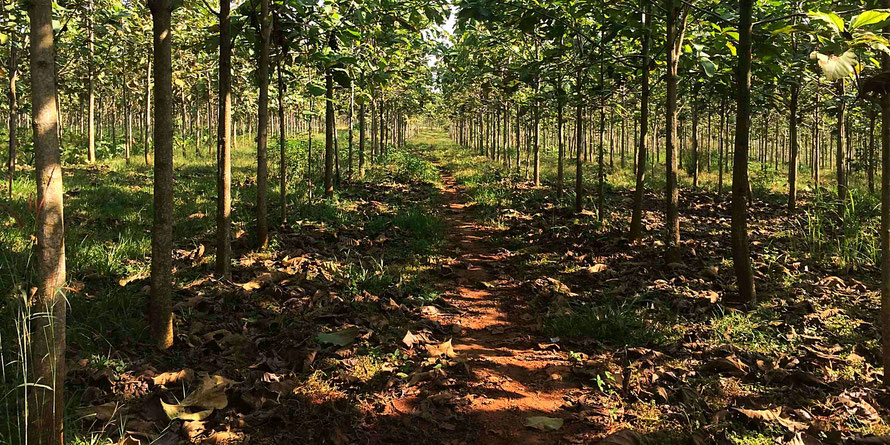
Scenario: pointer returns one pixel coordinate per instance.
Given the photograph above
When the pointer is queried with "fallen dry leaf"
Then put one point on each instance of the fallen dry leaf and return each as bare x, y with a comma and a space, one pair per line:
771, 415
166, 378
442, 349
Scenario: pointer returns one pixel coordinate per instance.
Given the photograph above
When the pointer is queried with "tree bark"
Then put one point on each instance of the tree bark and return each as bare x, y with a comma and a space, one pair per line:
282, 146
351, 125
795, 150
160, 307
560, 164
329, 135
636, 222
47, 359
695, 145
579, 136
675, 33
12, 122
885, 219
262, 164
147, 115
870, 172
361, 140
224, 147
840, 159
739, 211
91, 119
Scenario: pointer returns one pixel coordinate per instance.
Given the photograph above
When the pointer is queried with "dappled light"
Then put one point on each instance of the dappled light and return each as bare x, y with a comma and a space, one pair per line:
445, 221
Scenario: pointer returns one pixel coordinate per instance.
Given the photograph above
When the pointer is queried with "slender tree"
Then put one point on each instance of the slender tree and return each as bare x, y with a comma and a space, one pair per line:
329, 130
12, 120
224, 146
676, 27
741, 258
47, 359
636, 224
262, 72
160, 307
91, 119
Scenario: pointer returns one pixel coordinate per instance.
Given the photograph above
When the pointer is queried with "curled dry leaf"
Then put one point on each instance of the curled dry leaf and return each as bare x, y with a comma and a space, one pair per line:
210, 395
444, 349
167, 378
728, 365
771, 415
544, 423
411, 339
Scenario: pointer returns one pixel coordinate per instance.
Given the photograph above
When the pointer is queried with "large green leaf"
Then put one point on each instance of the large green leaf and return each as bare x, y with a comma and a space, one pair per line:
315, 89
833, 20
870, 18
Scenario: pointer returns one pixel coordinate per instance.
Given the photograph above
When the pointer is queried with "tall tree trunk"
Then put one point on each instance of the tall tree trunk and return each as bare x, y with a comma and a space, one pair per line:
91, 120
128, 144
147, 115
262, 162
675, 33
351, 124
722, 146
871, 150
12, 122
560, 164
224, 147
885, 219
282, 146
361, 140
579, 136
601, 167
795, 150
47, 359
741, 258
329, 134
537, 155
841, 142
694, 145
160, 308
636, 222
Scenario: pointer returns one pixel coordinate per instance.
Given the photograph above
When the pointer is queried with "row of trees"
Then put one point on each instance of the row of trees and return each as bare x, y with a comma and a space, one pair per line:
367, 58
518, 69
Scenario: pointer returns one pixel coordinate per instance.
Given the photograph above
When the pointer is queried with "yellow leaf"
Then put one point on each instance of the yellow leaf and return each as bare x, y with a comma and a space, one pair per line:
177, 411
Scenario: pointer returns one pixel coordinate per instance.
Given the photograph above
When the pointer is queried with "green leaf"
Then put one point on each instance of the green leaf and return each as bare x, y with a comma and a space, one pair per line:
315, 89
832, 19
339, 338
709, 67
869, 18
544, 423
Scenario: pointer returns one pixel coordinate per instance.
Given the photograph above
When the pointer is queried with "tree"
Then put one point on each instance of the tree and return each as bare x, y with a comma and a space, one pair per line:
636, 224
741, 257
12, 120
224, 146
91, 126
676, 28
160, 306
47, 360
262, 72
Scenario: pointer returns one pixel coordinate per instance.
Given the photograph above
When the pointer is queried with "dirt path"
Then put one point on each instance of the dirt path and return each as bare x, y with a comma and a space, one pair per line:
509, 373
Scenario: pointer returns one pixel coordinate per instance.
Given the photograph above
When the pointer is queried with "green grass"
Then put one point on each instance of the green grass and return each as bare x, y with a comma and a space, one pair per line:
609, 323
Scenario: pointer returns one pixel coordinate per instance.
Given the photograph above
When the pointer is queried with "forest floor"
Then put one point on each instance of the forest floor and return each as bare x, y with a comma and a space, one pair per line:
442, 300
